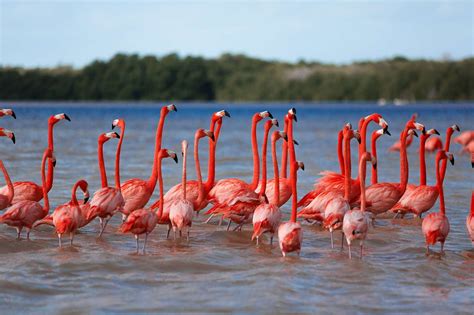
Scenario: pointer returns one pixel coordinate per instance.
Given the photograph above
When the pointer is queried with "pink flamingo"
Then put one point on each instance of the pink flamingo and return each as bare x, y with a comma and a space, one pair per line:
356, 223
470, 220
137, 192
240, 208
84, 207
267, 216
435, 225
29, 190
6, 199
465, 137
143, 221
226, 190
164, 217
25, 213
290, 234
433, 144
284, 182
397, 145
7, 112
331, 181
330, 205
181, 209
107, 200
419, 199
383, 196
192, 190
373, 145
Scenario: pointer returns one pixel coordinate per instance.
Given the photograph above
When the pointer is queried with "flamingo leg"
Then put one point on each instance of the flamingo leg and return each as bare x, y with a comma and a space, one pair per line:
71, 237
228, 225
427, 249
332, 239
28, 234
103, 228
136, 237
144, 244
187, 236
174, 234
60, 243
442, 247
220, 220
209, 219
18, 233
271, 240
180, 233
257, 240
168, 233
396, 215
350, 254
342, 241
361, 246
283, 253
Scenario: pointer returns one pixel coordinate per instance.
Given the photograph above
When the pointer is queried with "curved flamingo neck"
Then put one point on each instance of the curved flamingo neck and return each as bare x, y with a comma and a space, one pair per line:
362, 176
447, 144
158, 137
403, 160
198, 170
50, 178
43, 183
373, 147
275, 173
363, 136
10, 193
74, 201
264, 160
183, 184
100, 157
347, 169
422, 153
293, 170
211, 166
160, 184
472, 203
284, 152
439, 184
117, 157
256, 162
340, 156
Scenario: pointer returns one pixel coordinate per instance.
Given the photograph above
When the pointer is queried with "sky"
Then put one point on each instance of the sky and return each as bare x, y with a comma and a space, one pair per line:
76, 32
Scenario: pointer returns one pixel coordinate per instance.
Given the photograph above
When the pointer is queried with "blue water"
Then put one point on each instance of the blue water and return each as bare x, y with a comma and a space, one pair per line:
221, 271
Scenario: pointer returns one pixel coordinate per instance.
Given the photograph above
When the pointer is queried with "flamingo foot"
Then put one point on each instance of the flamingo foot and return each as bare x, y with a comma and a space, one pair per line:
103, 228
18, 233
144, 244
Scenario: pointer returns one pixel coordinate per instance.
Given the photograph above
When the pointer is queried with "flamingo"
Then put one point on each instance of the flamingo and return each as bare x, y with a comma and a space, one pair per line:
143, 221
290, 234
192, 190
465, 137
226, 190
6, 199
373, 145
397, 145
435, 225
383, 196
108, 200
433, 144
470, 220
84, 207
331, 181
284, 182
68, 218
239, 208
7, 112
356, 223
267, 216
137, 192
164, 217
29, 190
25, 213
181, 210
419, 199
332, 200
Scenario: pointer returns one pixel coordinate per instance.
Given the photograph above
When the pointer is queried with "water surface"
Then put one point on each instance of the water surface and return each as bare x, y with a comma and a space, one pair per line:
221, 271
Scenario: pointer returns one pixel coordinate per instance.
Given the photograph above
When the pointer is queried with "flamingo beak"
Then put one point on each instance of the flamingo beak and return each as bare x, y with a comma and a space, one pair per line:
13, 138
415, 134
451, 159
67, 117
226, 113
456, 127
436, 132
385, 131
296, 142
275, 122
13, 115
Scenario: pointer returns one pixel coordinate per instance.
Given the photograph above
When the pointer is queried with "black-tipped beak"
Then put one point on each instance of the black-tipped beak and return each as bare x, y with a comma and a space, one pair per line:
277, 124
175, 158
175, 108
54, 163
296, 142
436, 132
212, 138
285, 137
113, 126
293, 110
423, 131
375, 165
117, 135
302, 167
415, 134
13, 115
270, 115
86, 199
385, 131
451, 161
295, 119
13, 138
358, 140
472, 164
226, 113
67, 117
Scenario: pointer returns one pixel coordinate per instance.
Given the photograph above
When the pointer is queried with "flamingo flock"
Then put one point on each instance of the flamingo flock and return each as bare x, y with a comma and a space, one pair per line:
338, 202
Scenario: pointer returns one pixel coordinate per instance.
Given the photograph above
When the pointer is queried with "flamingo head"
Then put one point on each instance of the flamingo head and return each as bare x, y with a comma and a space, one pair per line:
270, 123
262, 115
7, 112
377, 118
165, 153
379, 132
299, 165
443, 155
277, 134
184, 147
58, 117
7, 133
452, 129
119, 122
49, 154
169, 108
201, 133
106, 136
220, 114
348, 133
412, 132
84, 187
367, 157
433, 131
292, 114
333, 221
412, 124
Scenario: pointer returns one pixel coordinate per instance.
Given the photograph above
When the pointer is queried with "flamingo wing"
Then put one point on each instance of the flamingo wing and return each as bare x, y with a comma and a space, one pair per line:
136, 194
24, 191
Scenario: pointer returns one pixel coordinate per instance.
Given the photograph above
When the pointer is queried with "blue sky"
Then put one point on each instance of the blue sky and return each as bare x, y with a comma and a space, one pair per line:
75, 32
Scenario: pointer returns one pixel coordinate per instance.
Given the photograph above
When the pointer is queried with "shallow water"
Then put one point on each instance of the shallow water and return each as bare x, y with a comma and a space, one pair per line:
221, 271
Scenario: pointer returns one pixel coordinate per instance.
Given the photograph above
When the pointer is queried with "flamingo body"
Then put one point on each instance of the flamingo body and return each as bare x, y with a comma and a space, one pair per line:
106, 202
381, 197
355, 226
266, 218
22, 214
435, 227
465, 137
24, 191
141, 221
181, 215
290, 236
285, 190
433, 144
136, 194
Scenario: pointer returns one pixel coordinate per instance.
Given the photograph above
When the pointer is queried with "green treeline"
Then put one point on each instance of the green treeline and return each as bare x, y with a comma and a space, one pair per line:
240, 78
